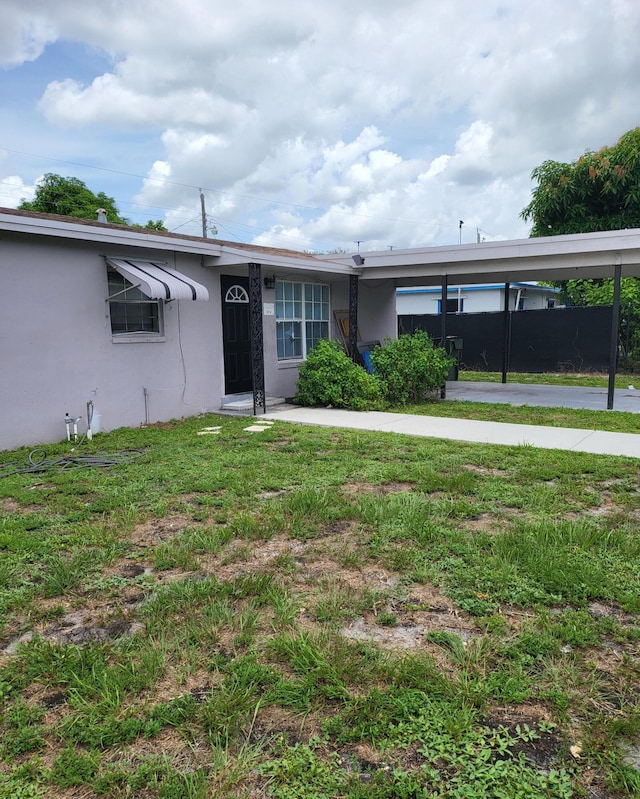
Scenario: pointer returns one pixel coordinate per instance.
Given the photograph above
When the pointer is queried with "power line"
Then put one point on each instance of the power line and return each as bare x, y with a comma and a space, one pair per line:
265, 200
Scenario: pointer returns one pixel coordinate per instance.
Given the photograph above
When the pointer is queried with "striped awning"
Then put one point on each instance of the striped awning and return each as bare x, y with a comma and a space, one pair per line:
159, 281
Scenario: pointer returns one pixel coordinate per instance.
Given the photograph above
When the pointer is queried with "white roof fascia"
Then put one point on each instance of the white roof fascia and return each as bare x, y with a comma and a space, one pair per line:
214, 253
105, 235
230, 256
550, 258
604, 242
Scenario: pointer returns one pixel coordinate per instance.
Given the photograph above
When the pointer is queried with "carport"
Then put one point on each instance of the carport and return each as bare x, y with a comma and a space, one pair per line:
607, 254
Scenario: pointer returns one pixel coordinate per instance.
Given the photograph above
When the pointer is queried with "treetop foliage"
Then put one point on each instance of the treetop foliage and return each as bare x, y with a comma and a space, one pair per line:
71, 197
598, 191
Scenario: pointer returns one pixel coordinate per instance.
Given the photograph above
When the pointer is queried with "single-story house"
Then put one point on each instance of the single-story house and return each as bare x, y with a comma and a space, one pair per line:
481, 298
136, 326
150, 326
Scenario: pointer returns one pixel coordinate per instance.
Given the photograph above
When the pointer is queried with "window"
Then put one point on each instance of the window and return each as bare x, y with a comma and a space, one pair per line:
132, 312
302, 317
236, 294
452, 306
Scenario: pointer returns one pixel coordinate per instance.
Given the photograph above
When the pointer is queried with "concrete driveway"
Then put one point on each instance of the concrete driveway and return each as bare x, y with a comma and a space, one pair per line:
593, 399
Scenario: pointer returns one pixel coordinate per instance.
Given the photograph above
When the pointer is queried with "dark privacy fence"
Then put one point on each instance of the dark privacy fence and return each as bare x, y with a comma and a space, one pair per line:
559, 339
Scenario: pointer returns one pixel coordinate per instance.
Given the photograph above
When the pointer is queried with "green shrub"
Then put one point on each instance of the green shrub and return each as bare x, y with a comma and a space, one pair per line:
330, 377
410, 367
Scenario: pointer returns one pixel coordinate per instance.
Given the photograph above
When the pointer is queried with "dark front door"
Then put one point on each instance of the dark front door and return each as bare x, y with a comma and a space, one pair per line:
235, 334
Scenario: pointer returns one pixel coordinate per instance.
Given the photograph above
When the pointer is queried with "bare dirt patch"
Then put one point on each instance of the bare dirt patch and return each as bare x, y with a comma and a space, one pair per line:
273, 721
10, 505
153, 531
486, 470
544, 750
484, 523
241, 559
426, 610
353, 489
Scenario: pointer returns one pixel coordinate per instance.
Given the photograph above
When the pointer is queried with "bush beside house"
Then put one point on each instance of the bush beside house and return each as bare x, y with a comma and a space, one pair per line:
406, 370
330, 377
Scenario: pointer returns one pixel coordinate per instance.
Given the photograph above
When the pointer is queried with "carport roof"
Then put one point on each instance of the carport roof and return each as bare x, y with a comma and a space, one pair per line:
585, 255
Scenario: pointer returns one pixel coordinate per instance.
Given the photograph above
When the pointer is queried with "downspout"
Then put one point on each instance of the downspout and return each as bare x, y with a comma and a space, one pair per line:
516, 306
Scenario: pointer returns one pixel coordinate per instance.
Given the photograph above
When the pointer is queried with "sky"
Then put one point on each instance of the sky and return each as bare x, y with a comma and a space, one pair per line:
317, 126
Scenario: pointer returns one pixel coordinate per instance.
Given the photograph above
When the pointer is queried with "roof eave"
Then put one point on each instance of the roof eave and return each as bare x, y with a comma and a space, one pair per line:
104, 234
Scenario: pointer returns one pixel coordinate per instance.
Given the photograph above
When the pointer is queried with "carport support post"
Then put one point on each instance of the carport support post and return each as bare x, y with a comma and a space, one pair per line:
505, 333
615, 324
257, 338
353, 319
443, 324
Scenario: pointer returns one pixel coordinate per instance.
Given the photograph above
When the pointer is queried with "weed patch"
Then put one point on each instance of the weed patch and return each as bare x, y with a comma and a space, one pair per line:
312, 613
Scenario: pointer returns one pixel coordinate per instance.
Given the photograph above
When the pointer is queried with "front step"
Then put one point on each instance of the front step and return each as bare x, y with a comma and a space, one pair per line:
242, 404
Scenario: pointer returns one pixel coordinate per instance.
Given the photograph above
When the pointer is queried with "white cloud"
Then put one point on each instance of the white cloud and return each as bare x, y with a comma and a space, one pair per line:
13, 191
23, 36
392, 120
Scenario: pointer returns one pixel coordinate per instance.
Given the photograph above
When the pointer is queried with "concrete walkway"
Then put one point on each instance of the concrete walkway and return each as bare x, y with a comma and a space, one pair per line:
594, 441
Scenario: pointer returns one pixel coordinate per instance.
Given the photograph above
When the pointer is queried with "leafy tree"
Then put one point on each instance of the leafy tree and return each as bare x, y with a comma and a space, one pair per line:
71, 197
154, 225
598, 191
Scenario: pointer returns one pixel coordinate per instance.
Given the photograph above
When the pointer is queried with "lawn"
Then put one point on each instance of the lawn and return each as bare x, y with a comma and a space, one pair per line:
306, 612
617, 422
596, 379
611, 421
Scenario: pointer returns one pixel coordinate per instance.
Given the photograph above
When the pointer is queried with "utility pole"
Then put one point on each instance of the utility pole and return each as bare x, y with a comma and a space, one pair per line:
460, 229
204, 215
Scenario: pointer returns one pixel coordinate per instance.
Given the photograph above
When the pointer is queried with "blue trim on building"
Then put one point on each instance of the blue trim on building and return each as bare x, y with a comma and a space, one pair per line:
454, 289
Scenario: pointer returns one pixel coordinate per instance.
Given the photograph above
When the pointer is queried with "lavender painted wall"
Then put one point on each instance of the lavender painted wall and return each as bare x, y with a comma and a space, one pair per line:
57, 351
376, 320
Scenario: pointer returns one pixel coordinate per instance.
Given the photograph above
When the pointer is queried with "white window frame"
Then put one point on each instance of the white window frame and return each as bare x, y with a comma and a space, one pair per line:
283, 317
123, 292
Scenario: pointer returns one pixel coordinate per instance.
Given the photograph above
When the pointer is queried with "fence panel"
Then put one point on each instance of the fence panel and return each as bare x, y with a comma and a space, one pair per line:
554, 340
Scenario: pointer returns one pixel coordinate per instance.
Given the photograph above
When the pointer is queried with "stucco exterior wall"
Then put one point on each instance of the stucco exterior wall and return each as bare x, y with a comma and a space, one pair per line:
376, 321
281, 376
377, 315
57, 351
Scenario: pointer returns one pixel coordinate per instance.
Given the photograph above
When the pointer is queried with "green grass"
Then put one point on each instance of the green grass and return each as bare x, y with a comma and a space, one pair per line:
593, 379
611, 421
615, 422
308, 612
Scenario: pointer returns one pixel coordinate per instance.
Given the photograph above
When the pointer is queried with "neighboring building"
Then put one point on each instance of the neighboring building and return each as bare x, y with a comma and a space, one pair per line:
481, 298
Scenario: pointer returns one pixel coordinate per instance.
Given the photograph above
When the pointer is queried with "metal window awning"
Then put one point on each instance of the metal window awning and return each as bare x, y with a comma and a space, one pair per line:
158, 281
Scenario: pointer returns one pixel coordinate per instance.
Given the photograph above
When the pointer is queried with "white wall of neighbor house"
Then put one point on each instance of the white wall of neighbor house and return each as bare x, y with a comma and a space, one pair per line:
474, 299
57, 350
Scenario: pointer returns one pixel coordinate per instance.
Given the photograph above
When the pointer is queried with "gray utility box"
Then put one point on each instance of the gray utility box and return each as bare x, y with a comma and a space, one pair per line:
453, 348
